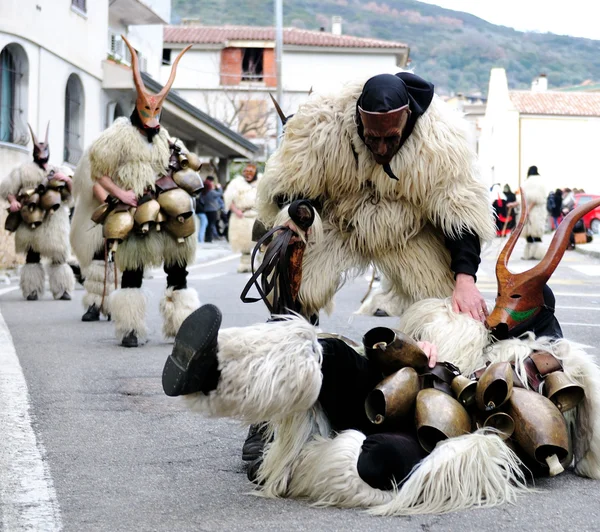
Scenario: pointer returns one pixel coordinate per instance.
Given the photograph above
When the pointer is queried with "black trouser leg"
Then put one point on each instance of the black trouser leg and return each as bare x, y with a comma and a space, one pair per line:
347, 380
33, 257
532, 239
132, 278
176, 276
99, 255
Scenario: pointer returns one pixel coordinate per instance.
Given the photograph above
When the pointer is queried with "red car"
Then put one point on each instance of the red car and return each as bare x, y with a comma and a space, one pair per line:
592, 219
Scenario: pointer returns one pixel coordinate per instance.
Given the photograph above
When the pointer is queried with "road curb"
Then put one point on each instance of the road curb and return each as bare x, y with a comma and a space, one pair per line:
589, 252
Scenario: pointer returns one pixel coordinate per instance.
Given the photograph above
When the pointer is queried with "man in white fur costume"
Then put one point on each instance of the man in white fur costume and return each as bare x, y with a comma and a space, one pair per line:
127, 160
312, 391
240, 199
44, 227
88, 243
536, 192
388, 167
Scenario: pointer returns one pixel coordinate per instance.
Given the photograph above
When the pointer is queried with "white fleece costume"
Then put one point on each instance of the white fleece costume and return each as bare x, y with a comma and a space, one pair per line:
87, 240
536, 192
124, 154
243, 195
50, 239
272, 371
366, 216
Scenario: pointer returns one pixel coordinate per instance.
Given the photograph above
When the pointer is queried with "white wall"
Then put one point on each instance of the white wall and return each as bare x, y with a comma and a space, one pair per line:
565, 150
197, 69
75, 38
499, 139
326, 72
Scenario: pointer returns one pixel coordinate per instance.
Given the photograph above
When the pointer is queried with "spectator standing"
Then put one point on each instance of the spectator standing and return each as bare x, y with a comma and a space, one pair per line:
201, 216
213, 202
568, 200
556, 211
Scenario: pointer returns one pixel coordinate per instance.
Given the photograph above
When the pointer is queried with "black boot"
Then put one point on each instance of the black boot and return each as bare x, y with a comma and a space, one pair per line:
193, 366
65, 297
255, 442
130, 340
252, 470
91, 314
33, 296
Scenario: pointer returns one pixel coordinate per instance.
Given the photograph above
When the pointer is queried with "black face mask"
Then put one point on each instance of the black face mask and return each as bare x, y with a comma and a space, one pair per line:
150, 132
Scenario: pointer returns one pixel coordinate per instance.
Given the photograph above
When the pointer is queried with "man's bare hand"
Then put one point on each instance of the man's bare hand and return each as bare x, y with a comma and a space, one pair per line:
15, 206
431, 351
467, 299
128, 197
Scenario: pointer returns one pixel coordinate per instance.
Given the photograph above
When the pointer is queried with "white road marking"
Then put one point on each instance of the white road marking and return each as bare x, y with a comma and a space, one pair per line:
588, 269
162, 275
9, 289
561, 307
565, 294
27, 497
205, 276
580, 324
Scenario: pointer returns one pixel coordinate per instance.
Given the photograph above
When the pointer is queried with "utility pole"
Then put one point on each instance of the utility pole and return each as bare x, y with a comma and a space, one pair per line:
278, 53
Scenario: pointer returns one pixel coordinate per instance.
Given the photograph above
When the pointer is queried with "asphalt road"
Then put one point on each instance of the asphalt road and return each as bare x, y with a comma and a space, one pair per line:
110, 452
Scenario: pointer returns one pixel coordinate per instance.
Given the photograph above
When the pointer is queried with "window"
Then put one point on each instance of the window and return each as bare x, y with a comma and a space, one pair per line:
166, 59
79, 4
13, 95
74, 110
252, 64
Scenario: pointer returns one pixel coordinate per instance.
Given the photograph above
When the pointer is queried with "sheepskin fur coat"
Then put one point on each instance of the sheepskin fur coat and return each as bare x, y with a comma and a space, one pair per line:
366, 216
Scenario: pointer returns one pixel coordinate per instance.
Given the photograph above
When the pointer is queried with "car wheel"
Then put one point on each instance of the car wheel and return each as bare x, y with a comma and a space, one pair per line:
595, 226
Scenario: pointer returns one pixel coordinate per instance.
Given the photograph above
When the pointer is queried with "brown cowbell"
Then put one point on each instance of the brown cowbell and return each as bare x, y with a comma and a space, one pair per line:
149, 105
41, 150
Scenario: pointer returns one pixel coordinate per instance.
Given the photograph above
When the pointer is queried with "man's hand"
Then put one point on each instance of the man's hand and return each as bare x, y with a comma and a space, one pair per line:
128, 197
467, 299
62, 177
431, 351
239, 213
15, 206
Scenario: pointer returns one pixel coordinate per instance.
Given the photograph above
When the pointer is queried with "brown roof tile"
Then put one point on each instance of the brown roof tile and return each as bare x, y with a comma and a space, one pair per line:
293, 36
556, 103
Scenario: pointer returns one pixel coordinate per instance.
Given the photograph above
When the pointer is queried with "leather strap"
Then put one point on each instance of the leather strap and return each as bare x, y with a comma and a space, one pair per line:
272, 277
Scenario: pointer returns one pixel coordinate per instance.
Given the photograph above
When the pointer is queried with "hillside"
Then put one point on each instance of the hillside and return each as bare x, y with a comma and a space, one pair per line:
455, 50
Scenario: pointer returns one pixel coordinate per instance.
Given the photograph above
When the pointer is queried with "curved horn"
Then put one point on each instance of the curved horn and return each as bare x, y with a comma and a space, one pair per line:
47, 131
33, 137
310, 91
135, 66
503, 258
165, 90
545, 268
282, 117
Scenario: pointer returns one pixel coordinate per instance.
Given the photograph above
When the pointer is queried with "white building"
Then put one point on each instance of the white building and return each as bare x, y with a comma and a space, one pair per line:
230, 70
557, 131
64, 62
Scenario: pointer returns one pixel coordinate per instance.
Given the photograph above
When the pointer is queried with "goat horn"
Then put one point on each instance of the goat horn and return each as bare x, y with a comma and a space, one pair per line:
47, 131
135, 66
33, 138
545, 268
282, 117
502, 264
165, 90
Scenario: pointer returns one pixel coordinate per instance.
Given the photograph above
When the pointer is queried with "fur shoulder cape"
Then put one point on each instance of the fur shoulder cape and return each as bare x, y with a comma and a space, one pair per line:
322, 156
27, 175
123, 154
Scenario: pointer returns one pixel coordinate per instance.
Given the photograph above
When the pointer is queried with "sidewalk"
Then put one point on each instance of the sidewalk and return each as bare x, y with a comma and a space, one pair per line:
592, 249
